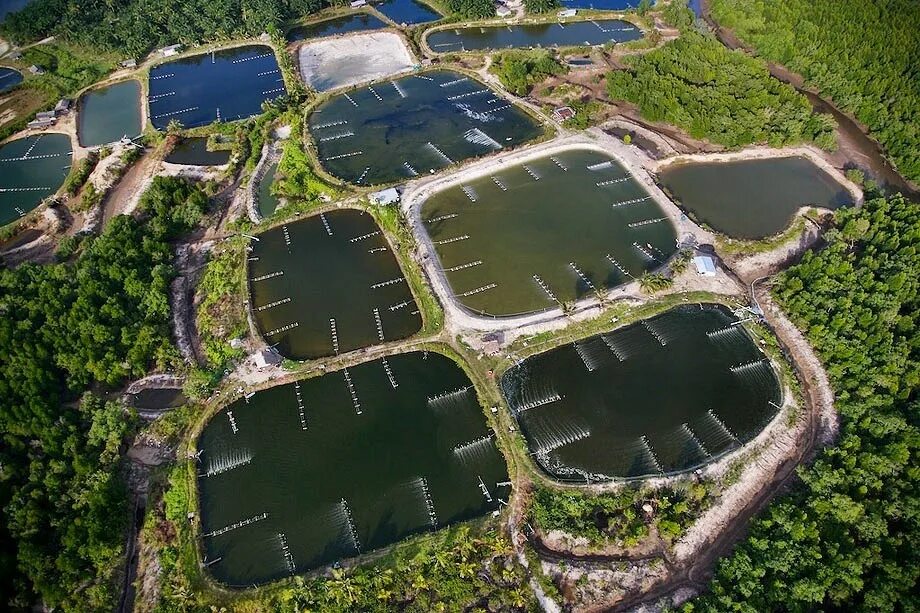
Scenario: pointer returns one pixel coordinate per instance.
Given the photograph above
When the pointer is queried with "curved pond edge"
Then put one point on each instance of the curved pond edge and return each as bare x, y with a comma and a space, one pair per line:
106, 84
31, 218
583, 16
416, 195
750, 154
143, 75
549, 131
216, 403
777, 424
256, 333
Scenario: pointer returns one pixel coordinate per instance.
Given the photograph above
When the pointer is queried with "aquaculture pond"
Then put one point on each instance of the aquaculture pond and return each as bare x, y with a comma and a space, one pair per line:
752, 199
309, 473
329, 284
597, 409
356, 22
9, 78
194, 152
414, 125
221, 85
109, 114
31, 169
600, 5
267, 201
531, 236
570, 34
409, 12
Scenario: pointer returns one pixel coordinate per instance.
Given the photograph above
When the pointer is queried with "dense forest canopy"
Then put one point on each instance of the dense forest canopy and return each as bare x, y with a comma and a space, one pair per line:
64, 329
697, 84
865, 55
472, 9
136, 26
847, 539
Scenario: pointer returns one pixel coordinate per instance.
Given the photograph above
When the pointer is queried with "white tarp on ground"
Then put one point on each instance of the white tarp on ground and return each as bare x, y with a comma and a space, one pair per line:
337, 62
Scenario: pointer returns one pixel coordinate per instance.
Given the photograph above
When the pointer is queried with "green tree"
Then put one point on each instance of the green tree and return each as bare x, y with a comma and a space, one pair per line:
846, 538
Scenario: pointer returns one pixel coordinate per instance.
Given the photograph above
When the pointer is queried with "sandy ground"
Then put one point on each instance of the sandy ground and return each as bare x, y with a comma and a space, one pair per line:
339, 62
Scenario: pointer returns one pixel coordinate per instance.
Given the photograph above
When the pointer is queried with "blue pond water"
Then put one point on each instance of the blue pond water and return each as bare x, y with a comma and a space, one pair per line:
408, 12
11, 6
9, 78
619, 5
600, 5
357, 22
31, 169
223, 85
596, 32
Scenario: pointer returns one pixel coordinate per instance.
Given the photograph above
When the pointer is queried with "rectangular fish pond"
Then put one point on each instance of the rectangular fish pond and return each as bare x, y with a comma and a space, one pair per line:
752, 199
571, 34
597, 409
356, 22
109, 114
31, 169
306, 474
222, 85
329, 284
415, 125
552, 230
408, 12
600, 5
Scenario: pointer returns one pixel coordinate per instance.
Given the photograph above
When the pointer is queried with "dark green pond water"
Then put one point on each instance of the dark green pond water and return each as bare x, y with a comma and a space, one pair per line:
109, 114
319, 482
194, 152
31, 169
158, 398
572, 34
335, 266
357, 22
268, 202
533, 235
397, 130
597, 409
752, 199
220, 86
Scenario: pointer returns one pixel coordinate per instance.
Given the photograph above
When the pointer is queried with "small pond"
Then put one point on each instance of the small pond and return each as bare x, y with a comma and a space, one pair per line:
414, 125
571, 34
194, 152
752, 199
511, 243
109, 114
267, 201
9, 78
329, 284
356, 22
596, 409
31, 169
409, 12
303, 475
154, 398
222, 85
